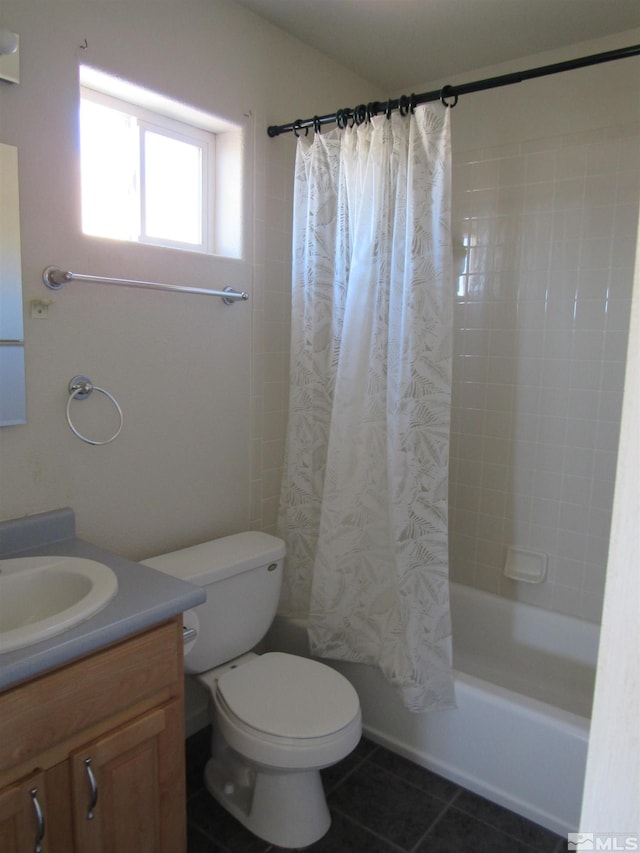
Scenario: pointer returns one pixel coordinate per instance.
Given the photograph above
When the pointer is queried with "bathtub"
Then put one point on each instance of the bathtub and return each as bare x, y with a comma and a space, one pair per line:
524, 683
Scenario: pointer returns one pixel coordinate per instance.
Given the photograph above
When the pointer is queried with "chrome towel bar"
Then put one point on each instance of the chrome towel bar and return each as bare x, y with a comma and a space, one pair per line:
56, 278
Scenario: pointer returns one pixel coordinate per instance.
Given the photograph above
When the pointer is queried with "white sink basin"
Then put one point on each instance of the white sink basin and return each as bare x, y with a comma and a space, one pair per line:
44, 596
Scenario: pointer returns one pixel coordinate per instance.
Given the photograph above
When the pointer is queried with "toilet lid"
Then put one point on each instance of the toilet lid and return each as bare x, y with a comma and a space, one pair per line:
289, 696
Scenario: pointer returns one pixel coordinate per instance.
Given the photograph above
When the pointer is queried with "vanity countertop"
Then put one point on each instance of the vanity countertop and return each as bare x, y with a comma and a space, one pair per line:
145, 597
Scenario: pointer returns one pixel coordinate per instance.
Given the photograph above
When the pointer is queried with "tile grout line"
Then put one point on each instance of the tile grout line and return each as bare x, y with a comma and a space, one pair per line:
349, 773
448, 806
391, 844
402, 779
508, 835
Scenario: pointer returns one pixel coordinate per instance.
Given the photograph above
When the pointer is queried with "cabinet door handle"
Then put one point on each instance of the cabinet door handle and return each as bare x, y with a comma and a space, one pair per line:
39, 820
93, 786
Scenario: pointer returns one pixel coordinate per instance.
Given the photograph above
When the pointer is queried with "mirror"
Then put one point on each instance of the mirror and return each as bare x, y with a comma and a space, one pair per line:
13, 408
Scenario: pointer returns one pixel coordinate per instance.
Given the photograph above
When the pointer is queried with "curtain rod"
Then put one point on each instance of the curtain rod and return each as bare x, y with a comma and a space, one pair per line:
405, 103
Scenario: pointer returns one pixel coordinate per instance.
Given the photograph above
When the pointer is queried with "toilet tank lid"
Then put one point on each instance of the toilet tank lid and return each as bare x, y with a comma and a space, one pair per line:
220, 558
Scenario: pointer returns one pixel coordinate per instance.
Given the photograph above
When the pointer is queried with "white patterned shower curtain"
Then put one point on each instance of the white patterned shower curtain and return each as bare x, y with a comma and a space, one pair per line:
364, 498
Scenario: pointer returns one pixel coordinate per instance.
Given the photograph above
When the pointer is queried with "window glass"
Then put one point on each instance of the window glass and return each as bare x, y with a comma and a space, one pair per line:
149, 177
110, 157
172, 196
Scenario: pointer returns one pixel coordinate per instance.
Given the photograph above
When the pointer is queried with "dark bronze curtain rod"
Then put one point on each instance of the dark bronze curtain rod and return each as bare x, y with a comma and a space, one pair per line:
363, 112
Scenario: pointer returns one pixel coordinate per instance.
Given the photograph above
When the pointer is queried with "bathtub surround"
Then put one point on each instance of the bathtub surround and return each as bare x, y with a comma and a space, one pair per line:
364, 491
542, 318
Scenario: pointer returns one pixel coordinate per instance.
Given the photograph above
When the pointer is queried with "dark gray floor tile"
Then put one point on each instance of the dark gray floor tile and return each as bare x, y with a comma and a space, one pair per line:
412, 773
380, 803
337, 773
386, 805
345, 836
458, 832
365, 748
197, 751
532, 834
208, 816
199, 843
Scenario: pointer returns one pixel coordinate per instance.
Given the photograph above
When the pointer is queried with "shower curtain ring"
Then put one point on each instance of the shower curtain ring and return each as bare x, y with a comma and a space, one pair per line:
404, 105
388, 109
297, 125
446, 92
360, 114
412, 102
317, 125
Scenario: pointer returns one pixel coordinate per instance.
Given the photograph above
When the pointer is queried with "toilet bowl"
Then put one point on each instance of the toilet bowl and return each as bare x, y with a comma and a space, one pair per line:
277, 719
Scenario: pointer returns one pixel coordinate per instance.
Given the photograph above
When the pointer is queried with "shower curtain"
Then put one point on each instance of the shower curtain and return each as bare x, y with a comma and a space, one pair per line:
363, 507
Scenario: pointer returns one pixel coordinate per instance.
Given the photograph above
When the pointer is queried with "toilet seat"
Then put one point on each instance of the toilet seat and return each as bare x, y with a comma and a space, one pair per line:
290, 697
285, 711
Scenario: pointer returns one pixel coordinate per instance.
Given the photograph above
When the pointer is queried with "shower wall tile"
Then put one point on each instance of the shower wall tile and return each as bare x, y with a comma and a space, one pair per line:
541, 321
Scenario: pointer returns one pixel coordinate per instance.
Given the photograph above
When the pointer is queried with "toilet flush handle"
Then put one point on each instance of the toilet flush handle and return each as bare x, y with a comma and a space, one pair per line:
188, 634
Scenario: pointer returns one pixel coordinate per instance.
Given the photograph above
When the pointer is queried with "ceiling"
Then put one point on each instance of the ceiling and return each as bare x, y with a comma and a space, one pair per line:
399, 44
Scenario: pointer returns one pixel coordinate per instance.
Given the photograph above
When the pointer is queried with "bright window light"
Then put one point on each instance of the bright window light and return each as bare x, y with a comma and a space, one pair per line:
172, 198
149, 177
110, 157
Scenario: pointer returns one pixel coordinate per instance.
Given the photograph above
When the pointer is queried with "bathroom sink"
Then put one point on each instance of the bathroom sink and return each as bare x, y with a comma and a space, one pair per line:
44, 596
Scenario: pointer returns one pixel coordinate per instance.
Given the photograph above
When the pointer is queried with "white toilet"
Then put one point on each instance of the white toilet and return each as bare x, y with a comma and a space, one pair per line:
278, 719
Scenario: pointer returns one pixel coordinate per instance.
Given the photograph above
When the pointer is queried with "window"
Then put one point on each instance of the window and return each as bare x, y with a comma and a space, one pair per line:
155, 171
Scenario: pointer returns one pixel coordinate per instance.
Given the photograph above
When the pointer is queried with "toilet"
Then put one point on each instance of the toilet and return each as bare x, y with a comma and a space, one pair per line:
277, 719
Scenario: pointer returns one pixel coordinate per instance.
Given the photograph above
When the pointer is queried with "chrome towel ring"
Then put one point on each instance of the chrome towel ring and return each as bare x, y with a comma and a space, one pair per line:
80, 387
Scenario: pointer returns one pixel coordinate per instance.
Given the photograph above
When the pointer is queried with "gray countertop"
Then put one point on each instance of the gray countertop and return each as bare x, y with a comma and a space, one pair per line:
145, 596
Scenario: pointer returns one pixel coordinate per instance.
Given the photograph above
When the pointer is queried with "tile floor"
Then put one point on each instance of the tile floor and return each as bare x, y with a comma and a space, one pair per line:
380, 803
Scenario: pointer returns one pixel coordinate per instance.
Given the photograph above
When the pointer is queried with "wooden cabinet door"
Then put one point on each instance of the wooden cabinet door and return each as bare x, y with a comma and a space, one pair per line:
22, 816
116, 784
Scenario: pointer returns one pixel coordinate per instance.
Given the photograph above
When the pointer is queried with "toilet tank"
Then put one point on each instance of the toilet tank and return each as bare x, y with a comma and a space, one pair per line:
242, 575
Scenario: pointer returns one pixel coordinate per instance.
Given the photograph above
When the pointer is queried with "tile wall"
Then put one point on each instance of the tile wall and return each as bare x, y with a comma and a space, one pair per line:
541, 322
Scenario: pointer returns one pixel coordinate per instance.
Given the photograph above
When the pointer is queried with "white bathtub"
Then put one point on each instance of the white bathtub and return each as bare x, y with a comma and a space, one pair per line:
524, 681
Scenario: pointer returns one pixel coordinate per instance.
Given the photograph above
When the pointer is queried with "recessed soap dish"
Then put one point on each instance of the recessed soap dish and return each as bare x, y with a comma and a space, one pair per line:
526, 566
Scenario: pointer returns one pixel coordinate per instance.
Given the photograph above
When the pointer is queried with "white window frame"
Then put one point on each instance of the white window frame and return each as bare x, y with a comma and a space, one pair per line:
221, 182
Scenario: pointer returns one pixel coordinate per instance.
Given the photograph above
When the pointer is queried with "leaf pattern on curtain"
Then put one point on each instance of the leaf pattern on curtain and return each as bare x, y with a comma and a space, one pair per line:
364, 497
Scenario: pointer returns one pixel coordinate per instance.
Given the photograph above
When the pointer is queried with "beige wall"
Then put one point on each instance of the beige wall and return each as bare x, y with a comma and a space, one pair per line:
201, 385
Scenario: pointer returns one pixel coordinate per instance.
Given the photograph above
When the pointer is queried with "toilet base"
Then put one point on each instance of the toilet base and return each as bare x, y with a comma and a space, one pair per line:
287, 809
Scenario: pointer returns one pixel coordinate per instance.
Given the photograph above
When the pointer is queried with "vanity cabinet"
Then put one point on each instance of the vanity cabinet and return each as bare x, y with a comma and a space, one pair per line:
22, 808
101, 742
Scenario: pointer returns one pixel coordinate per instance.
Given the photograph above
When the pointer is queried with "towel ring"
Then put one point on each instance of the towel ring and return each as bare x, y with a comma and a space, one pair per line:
80, 387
